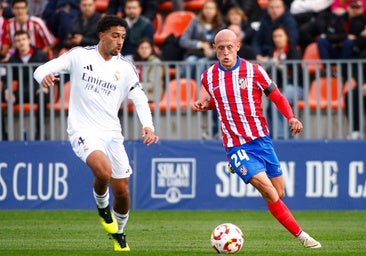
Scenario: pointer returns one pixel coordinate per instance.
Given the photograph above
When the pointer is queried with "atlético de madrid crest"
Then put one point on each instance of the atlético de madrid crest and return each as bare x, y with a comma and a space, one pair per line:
243, 83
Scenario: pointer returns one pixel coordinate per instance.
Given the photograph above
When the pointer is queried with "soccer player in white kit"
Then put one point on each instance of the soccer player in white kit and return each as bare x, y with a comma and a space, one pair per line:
101, 79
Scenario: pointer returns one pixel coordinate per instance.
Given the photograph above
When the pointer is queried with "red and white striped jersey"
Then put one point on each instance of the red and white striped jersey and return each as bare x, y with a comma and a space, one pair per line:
237, 94
3, 23
37, 29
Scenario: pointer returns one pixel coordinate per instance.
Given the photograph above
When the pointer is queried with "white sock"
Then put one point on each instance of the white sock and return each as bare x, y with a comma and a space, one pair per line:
302, 235
121, 220
101, 200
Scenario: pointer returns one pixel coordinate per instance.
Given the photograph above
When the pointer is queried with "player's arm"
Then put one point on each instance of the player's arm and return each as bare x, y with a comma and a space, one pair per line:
47, 73
282, 104
139, 99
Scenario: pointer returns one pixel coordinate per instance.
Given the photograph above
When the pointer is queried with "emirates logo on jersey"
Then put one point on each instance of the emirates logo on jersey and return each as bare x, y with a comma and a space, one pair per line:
243, 83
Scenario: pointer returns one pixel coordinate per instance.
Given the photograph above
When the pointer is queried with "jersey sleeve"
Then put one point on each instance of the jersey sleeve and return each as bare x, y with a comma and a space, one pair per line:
61, 64
139, 99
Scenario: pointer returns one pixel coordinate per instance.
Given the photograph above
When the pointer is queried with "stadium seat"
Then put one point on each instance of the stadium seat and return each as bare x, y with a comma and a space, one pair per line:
101, 5
262, 3
311, 55
179, 94
190, 5
175, 23
194, 5
319, 94
158, 23
165, 6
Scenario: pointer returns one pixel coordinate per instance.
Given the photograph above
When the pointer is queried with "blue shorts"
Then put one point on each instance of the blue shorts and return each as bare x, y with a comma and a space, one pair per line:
254, 157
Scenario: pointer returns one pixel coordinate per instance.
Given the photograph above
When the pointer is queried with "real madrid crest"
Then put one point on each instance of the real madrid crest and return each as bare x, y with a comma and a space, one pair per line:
117, 75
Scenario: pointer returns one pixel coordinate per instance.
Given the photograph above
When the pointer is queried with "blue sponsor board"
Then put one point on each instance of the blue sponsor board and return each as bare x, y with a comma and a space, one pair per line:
184, 174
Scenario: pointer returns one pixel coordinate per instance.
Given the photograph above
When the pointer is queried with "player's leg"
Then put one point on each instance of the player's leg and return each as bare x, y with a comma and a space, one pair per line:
279, 209
279, 185
119, 182
121, 206
102, 170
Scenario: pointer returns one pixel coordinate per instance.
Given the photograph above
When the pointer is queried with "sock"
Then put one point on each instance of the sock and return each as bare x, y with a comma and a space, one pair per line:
101, 200
280, 211
302, 235
121, 220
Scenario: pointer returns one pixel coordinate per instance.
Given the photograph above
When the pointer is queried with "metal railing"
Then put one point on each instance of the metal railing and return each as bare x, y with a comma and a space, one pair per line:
172, 115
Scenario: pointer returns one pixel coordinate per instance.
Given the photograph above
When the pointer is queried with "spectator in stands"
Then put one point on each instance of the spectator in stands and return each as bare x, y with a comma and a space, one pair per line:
58, 16
357, 26
5, 5
276, 15
83, 29
339, 33
3, 23
40, 36
197, 39
245, 51
138, 27
252, 9
26, 53
149, 8
36, 7
237, 16
284, 75
225, 5
152, 72
305, 13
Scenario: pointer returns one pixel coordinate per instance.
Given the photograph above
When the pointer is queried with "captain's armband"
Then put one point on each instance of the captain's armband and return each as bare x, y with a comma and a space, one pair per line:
270, 88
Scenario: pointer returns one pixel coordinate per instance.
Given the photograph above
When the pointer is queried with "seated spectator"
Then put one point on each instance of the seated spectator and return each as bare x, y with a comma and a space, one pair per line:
225, 5
245, 52
149, 8
36, 7
197, 39
58, 16
305, 13
40, 36
357, 27
339, 34
252, 9
138, 27
26, 53
152, 74
3, 23
83, 29
5, 5
237, 16
283, 74
276, 15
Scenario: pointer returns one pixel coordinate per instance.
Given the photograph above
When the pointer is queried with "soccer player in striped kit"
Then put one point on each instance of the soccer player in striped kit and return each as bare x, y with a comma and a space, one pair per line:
101, 79
235, 88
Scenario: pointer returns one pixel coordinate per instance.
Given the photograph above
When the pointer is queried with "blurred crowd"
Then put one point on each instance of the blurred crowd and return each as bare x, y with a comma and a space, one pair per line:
270, 31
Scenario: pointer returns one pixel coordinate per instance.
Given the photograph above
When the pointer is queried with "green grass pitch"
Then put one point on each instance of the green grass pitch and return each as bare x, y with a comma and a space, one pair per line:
175, 233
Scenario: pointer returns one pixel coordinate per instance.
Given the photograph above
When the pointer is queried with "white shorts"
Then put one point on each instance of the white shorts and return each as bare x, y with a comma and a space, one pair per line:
84, 144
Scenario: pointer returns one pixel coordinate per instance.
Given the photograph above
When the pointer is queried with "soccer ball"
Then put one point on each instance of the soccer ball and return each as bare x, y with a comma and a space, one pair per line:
227, 238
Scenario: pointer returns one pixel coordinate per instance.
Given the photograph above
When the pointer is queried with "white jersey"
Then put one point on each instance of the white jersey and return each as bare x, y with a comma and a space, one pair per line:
98, 87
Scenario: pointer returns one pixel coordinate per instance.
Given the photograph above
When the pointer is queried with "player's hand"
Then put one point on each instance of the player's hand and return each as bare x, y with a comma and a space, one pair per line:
295, 126
200, 105
149, 136
50, 80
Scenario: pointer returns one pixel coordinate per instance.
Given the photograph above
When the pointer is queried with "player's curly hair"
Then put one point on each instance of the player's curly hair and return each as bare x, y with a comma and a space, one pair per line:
109, 21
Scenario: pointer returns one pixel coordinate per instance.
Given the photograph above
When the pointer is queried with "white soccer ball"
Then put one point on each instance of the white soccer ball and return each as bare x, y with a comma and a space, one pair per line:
227, 238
